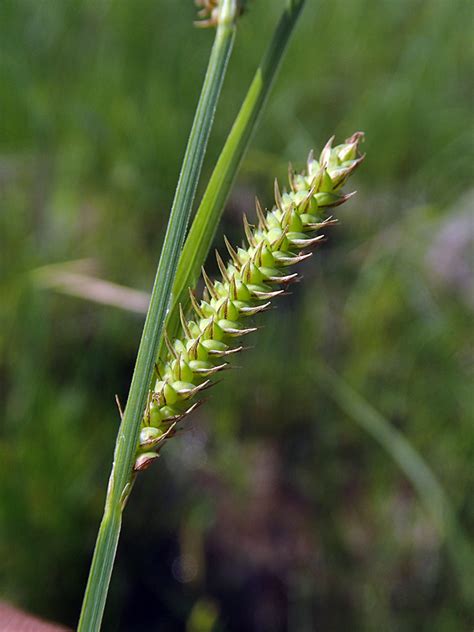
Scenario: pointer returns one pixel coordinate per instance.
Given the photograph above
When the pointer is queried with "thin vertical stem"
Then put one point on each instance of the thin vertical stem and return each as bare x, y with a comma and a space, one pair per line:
121, 477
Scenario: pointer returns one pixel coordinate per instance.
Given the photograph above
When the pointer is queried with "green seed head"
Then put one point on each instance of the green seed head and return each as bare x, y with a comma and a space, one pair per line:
254, 275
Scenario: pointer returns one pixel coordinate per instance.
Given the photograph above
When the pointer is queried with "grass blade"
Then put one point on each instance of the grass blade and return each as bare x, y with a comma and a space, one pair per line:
120, 481
201, 234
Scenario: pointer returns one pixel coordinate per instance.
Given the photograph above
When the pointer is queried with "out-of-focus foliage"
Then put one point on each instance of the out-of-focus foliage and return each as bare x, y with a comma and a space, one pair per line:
274, 511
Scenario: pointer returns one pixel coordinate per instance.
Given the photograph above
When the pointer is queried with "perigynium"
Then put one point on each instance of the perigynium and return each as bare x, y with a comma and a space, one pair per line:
256, 273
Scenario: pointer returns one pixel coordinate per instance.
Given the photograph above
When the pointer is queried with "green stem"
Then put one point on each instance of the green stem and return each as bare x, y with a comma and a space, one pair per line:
121, 477
202, 231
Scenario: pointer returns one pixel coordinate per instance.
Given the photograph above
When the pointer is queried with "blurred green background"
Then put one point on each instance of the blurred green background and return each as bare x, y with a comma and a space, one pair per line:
275, 510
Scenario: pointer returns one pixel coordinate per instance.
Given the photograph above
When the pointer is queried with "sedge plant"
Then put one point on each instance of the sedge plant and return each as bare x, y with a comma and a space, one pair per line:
186, 341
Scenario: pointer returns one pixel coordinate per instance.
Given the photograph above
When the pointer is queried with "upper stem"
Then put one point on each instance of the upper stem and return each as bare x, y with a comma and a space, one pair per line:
127, 439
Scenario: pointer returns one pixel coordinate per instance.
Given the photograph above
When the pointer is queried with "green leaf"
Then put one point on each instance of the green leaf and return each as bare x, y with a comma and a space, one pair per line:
120, 481
201, 234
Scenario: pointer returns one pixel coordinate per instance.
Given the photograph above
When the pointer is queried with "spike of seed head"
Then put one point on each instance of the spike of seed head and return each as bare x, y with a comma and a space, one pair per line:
284, 237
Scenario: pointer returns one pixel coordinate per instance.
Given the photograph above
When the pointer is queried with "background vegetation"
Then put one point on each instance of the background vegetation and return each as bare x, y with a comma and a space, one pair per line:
275, 510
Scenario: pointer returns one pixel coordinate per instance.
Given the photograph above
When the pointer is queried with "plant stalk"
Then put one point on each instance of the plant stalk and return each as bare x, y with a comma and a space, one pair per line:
121, 477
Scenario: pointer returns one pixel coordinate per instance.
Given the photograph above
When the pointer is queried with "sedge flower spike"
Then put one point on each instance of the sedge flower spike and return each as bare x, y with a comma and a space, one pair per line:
256, 273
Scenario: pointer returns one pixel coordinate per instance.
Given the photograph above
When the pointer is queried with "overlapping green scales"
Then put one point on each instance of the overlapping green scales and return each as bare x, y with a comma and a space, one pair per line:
254, 274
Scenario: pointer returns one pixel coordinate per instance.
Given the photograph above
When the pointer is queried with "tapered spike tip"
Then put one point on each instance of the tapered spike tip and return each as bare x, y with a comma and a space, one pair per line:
260, 215
278, 200
221, 266
232, 253
248, 231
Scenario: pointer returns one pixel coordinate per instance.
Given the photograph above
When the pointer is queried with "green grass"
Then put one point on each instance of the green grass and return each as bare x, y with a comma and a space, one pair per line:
96, 100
